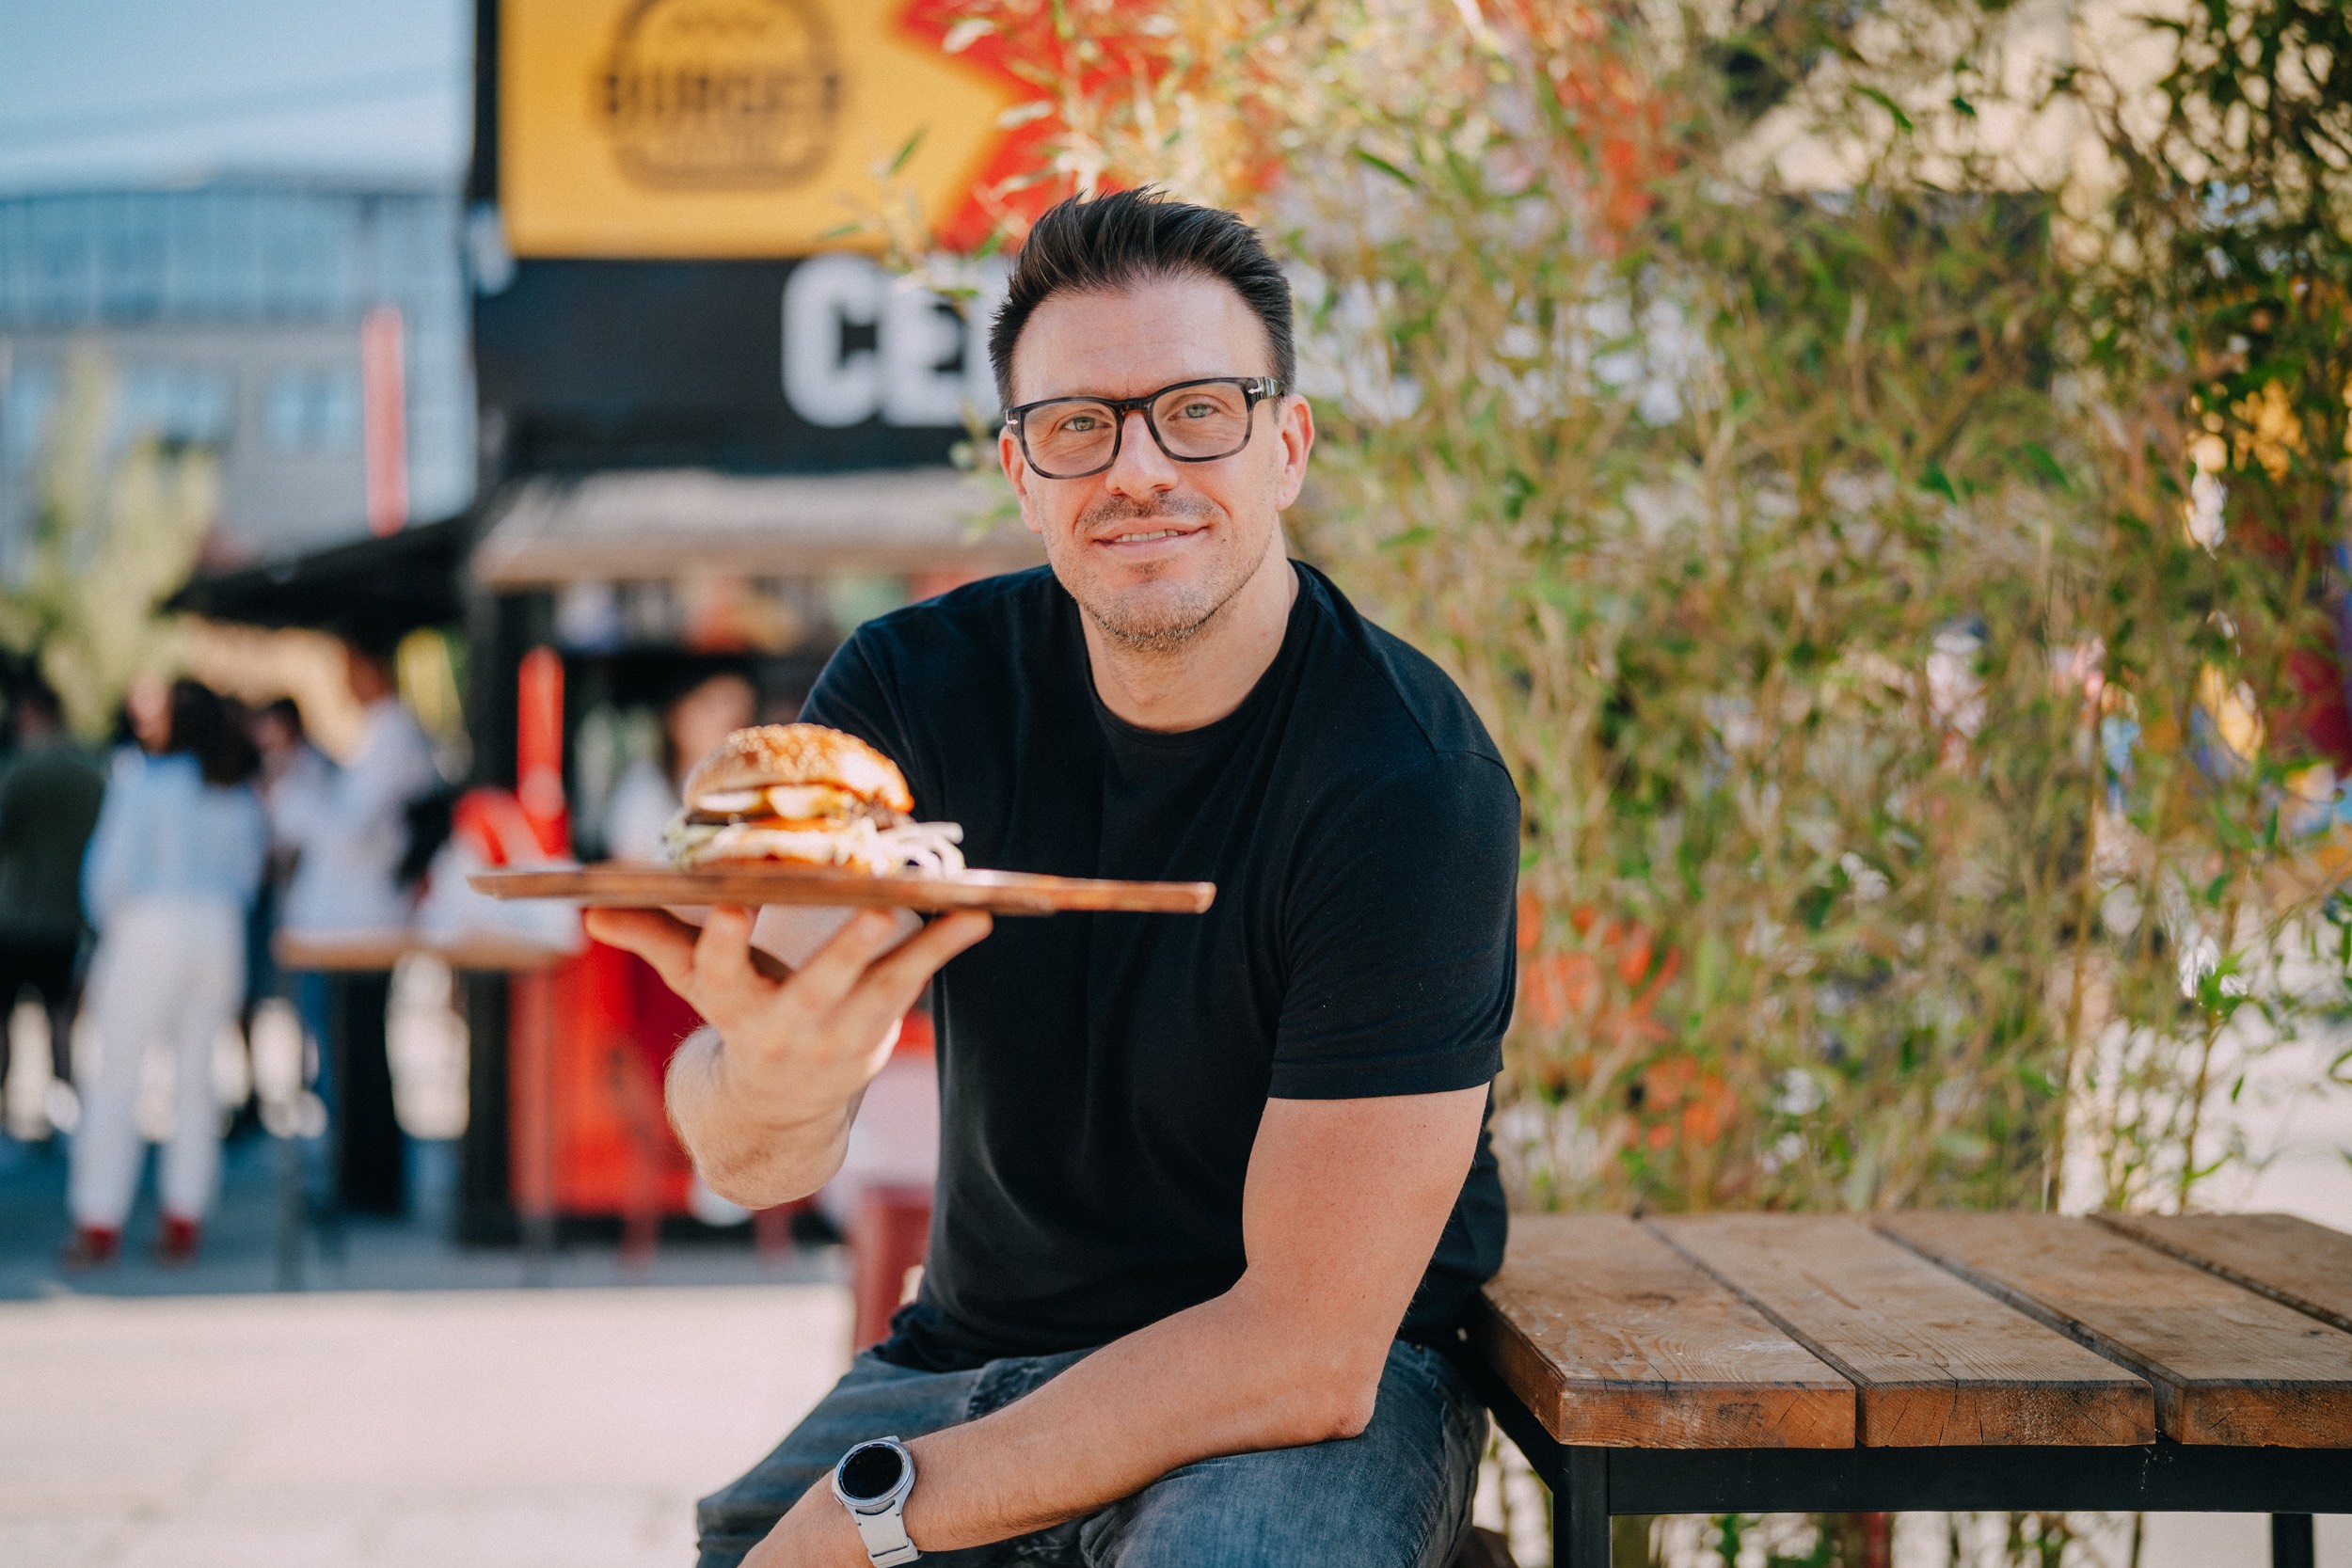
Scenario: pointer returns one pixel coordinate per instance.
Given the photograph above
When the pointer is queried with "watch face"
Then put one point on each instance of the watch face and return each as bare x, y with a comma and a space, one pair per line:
870, 1472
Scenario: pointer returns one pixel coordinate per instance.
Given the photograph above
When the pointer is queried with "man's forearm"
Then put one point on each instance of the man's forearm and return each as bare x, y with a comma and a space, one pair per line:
1230, 1376
754, 1164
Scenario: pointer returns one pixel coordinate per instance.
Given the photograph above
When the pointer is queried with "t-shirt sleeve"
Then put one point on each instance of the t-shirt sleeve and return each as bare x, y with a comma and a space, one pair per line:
1398, 936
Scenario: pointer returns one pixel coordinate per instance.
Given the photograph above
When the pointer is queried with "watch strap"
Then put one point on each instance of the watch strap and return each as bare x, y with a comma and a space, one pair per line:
885, 1537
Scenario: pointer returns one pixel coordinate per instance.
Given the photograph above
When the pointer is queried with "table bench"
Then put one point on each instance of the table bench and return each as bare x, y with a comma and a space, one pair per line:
1967, 1362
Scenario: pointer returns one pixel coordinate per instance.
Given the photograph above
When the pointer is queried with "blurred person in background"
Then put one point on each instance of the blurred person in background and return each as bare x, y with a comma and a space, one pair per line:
144, 718
296, 777
352, 831
296, 782
172, 869
49, 800
644, 798
349, 837
647, 795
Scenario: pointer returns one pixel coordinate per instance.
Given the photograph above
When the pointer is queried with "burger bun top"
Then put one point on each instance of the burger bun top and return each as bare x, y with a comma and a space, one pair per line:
770, 754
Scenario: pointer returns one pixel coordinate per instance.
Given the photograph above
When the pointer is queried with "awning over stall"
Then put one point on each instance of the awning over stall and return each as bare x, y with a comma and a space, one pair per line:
372, 590
635, 526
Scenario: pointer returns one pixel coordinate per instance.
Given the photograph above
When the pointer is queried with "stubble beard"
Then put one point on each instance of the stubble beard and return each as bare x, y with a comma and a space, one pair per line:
1167, 620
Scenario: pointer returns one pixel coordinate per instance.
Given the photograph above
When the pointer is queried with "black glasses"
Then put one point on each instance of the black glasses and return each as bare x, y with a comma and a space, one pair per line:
1193, 421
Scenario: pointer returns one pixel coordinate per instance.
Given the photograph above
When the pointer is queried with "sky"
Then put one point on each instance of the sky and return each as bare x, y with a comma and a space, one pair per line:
141, 91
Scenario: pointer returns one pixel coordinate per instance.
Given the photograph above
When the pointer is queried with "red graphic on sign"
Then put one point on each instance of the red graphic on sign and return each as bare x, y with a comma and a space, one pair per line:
1017, 181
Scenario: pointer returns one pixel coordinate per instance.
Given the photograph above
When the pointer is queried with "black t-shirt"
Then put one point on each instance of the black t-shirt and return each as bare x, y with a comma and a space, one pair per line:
1101, 1076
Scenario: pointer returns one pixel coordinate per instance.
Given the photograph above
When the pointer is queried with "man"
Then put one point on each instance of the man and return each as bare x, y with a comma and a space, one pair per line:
1212, 1189
49, 798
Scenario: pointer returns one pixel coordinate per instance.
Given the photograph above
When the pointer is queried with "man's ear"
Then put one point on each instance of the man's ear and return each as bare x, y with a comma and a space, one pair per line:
1297, 431
1017, 470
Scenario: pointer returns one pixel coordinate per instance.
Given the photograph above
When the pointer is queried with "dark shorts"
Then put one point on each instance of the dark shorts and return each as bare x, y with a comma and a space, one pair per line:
1396, 1497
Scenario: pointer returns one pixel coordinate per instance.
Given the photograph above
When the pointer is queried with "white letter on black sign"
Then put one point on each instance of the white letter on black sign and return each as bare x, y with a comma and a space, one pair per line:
825, 386
921, 334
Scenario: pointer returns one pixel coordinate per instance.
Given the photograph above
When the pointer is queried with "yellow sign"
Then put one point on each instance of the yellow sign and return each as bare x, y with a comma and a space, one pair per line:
728, 127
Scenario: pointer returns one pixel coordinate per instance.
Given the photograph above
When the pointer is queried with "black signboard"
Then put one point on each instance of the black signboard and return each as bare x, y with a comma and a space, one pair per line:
825, 363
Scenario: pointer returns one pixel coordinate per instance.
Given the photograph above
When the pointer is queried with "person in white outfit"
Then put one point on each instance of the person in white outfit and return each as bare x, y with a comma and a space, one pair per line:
172, 871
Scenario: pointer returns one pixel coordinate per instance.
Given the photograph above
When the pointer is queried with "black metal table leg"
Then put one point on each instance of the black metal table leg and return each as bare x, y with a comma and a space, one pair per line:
2291, 1541
1580, 1510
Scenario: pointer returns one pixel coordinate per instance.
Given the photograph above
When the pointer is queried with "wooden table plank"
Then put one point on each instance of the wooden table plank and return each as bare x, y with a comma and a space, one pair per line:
1611, 1337
2289, 1260
2229, 1366
1937, 1361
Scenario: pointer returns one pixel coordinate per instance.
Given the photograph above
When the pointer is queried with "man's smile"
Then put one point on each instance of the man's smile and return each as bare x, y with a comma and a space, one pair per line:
1155, 536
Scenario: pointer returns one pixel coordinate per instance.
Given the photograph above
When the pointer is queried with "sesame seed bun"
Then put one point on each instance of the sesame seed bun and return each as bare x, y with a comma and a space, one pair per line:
798, 754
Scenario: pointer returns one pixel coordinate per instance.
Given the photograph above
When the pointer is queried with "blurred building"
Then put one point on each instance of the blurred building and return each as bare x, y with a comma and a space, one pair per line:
228, 314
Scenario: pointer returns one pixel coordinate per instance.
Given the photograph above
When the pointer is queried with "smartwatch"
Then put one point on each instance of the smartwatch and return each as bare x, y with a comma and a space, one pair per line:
872, 1481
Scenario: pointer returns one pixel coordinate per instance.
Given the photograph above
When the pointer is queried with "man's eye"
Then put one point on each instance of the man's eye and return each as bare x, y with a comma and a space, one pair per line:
1078, 425
1199, 408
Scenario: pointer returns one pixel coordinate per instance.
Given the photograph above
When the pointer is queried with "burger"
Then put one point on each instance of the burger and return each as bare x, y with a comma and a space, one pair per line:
806, 794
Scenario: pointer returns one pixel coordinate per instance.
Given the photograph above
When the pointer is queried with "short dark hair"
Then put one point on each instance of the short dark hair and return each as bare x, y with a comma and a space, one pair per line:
1122, 238
36, 695
286, 711
204, 727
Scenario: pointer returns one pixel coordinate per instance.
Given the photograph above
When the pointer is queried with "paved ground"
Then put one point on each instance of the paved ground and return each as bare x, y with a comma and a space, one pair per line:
539, 1429
413, 1406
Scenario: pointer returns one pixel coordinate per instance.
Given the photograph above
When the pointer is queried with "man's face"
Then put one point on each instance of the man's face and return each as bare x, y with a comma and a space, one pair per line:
1152, 548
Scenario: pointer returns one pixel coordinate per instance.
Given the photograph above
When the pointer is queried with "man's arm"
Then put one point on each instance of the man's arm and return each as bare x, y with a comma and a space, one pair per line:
1345, 1204
763, 1099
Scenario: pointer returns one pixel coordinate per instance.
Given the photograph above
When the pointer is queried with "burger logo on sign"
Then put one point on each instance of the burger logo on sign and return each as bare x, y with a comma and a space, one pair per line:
720, 93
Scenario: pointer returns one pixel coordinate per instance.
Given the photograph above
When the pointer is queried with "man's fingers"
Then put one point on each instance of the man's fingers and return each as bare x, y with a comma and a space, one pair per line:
857, 975
834, 970
898, 979
722, 953
662, 940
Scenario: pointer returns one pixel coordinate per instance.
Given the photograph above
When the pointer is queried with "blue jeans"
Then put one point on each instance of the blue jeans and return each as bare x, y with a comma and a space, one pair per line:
1396, 1497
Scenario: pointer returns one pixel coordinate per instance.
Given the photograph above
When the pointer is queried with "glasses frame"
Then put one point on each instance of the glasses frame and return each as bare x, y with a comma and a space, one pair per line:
1255, 390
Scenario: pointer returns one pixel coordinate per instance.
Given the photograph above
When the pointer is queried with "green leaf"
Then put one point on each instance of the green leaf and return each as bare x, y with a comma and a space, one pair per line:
1375, 161
907, 152
1936, 482
1902, 120
2047, 465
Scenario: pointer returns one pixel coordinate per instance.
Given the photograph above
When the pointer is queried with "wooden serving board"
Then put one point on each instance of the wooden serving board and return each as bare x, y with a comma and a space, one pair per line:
998, 892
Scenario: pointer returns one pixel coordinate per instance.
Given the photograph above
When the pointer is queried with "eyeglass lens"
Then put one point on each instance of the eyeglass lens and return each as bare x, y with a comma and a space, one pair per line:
1199, 423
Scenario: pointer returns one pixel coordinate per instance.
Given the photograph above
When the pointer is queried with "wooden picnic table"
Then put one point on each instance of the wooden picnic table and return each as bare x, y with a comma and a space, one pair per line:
1831, 1363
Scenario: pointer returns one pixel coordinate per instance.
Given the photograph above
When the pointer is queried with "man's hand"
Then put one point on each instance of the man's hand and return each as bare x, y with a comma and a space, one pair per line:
765, 1108
816, 1533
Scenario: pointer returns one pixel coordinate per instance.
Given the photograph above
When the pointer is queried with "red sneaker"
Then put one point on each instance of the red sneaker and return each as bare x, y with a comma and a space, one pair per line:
91, 1246
176, 1242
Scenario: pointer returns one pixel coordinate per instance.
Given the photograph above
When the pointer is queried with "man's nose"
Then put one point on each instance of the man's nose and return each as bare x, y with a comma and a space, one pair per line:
1141, 467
